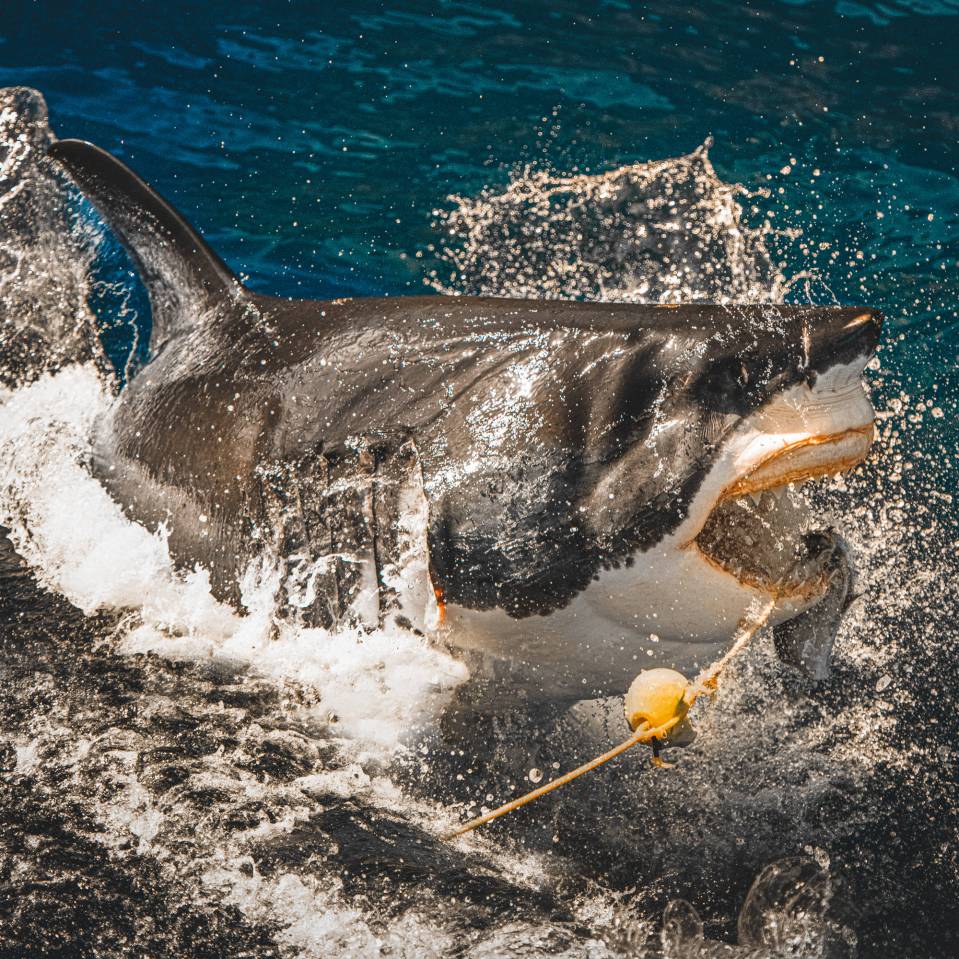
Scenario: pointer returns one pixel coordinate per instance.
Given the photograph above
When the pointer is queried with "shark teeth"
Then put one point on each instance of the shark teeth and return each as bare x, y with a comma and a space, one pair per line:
764, 500
768, 498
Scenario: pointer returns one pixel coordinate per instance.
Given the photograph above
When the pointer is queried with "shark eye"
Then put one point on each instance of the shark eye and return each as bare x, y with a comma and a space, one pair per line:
730, 384
731, 376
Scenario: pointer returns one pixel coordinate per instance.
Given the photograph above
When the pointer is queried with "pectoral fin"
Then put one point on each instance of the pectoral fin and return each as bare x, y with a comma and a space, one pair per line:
806, 642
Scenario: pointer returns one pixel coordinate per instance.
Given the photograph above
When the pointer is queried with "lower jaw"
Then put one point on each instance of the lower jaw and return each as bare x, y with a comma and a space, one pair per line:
804, 590
768, 544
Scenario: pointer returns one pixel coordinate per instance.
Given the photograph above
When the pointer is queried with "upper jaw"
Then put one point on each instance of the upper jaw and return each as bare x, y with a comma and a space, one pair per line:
804, 458
761, 534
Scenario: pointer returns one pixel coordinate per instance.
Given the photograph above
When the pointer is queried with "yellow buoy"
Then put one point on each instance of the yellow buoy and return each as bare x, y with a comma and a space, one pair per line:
655, 697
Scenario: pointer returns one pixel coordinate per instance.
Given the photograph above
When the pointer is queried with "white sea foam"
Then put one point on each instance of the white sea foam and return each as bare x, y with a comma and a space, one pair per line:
79, 542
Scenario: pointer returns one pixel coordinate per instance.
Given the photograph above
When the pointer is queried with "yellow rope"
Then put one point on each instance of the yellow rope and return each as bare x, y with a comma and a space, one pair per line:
705, 682
747, 628
642, 735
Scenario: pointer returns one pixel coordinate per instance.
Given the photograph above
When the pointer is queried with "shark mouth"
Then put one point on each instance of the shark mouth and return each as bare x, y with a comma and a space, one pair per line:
762, 533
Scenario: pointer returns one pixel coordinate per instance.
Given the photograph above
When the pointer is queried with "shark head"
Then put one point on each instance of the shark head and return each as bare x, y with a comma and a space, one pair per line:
678, 511
809, 419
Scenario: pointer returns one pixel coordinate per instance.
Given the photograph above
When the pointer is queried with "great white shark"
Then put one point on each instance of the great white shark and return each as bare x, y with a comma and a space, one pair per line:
568, 491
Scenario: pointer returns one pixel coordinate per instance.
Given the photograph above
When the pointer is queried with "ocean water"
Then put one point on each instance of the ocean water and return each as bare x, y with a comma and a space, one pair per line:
175, 780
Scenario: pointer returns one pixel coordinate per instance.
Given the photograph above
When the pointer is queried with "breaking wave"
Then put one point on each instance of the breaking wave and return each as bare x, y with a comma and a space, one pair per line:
74, 535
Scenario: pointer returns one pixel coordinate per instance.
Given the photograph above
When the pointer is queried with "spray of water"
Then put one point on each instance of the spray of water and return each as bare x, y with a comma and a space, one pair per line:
669, 231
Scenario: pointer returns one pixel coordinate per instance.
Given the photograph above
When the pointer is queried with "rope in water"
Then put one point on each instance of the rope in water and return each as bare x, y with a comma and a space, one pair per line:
705, 682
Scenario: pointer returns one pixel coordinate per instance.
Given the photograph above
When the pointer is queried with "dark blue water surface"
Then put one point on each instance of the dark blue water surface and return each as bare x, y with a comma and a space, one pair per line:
312, 142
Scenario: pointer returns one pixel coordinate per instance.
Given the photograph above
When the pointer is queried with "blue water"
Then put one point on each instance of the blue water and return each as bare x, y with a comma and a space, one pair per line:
312, 142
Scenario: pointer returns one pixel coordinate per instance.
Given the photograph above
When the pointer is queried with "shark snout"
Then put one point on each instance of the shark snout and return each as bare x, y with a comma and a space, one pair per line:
845, 336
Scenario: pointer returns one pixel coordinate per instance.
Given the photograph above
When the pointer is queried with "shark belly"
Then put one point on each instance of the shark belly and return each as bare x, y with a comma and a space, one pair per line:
666, 609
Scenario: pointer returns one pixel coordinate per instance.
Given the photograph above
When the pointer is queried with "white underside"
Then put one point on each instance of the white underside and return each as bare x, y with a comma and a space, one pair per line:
671, 607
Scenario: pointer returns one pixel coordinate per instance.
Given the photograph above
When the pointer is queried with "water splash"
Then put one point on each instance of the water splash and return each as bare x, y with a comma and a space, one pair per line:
80, 544
667, 231
45, 282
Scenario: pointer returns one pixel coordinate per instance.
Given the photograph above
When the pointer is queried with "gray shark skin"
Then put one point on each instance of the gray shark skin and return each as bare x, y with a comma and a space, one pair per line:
546, 442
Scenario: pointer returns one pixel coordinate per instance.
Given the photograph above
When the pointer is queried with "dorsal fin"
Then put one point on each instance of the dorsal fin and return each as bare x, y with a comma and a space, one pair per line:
184, 278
